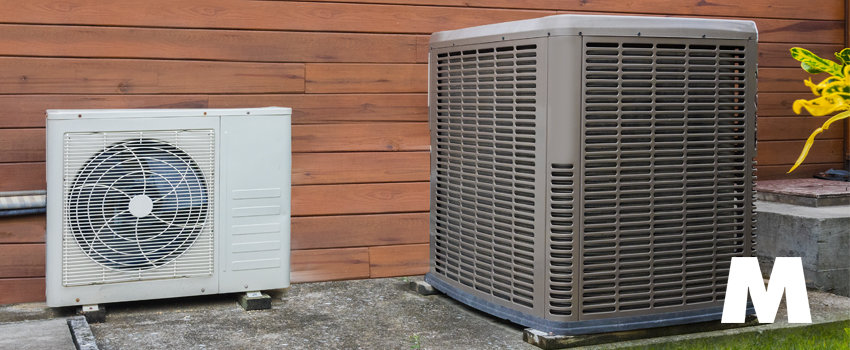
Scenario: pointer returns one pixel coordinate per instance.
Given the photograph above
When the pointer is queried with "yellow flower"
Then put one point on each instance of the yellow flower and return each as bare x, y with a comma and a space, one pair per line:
833, 92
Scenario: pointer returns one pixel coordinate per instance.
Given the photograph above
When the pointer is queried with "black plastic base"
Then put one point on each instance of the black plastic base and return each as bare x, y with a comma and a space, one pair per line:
93, 316
579, 327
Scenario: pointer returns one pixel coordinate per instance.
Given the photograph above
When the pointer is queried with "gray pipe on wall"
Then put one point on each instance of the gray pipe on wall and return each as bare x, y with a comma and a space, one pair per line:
22, 202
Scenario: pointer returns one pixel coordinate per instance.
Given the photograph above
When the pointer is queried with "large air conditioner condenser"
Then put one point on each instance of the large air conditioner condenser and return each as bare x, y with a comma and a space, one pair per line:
592, 173
158, 203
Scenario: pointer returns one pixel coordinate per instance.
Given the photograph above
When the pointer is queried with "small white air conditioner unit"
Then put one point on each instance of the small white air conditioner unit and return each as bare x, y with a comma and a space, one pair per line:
159, 203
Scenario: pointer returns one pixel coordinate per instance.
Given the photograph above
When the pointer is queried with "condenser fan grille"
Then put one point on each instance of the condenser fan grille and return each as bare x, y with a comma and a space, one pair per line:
138, 205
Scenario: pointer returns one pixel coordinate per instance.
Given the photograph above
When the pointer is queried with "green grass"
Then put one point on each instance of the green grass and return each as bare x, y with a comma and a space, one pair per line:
415, 342
835, 335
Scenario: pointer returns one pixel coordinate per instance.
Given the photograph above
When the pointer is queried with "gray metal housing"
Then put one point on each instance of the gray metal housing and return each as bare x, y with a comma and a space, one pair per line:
592, 173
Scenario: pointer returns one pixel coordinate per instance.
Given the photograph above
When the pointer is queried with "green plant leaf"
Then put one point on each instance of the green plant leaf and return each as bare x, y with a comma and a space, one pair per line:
813, 64
843, 56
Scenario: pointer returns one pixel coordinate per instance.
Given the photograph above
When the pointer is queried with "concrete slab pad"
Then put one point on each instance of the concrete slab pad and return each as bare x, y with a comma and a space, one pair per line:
805, 192
365, 314
819, 236
36, 335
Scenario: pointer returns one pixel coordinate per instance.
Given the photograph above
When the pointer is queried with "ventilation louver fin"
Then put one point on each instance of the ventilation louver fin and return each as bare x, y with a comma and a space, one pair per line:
484, 191
664, 187
561, 240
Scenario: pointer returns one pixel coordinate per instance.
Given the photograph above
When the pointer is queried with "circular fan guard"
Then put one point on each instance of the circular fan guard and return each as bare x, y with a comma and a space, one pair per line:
137, 205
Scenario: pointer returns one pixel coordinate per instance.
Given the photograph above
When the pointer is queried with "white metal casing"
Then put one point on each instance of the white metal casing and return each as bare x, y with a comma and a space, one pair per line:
249, 192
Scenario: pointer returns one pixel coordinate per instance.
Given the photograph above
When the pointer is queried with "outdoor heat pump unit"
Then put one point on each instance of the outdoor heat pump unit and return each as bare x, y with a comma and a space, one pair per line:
592, 173
158, 203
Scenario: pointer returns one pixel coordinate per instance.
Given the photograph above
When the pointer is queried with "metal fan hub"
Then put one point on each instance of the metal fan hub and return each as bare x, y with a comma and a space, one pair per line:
140, 206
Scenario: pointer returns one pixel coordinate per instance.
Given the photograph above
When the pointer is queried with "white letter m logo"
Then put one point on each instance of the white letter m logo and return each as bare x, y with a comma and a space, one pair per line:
787, 276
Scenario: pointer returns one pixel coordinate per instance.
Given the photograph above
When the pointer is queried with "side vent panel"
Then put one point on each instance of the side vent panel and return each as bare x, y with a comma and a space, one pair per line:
665, 192
561, 241
486, 129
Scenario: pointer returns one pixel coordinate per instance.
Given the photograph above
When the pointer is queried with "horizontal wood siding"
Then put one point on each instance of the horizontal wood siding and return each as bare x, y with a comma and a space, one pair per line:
355, 74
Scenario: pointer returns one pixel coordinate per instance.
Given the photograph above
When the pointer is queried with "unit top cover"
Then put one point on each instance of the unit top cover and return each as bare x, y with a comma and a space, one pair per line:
598, 25
168, 112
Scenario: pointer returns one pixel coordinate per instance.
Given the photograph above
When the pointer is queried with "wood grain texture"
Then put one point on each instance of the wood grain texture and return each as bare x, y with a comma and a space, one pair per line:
398, 260
311, 232
778, 104
786, 152
336, 108
348, 78
201, 44
329, 264
800, 31
786, 80
288, 15
773, 55
27, 145
806, 170
27, 111
21, 145
361, 137
22, 176
301, 16
359, 167
796, 128
21, 260
21, 290
360, 198
758, 8
120, 76
22, 229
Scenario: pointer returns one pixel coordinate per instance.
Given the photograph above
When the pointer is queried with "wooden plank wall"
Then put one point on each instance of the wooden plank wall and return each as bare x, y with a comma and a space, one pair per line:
355, 73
